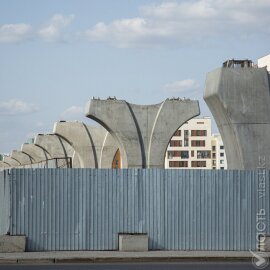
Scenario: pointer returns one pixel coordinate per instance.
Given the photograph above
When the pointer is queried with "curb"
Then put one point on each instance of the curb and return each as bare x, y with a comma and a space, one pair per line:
96, 260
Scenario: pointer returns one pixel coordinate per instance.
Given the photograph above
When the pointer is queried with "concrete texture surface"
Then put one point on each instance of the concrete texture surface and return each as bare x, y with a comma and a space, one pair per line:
11, 161
37, 153
94, 147
4, 164
22, 157
239, 100
142, 131
56, 146
12, 243
133, 242
116, 256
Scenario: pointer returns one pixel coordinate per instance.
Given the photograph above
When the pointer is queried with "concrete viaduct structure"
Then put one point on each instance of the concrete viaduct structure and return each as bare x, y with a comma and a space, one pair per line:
94, 146
238, 96
142, 131
37, 153
21, 157
56, 146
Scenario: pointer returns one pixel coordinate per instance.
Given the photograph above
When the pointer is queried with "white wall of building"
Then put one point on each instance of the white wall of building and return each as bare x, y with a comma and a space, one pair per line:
264, 62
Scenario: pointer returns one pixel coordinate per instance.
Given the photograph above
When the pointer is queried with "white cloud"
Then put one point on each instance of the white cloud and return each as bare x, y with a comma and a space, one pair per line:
12, 33
53, 30
187, 85
186, 22
15, 107
73, 112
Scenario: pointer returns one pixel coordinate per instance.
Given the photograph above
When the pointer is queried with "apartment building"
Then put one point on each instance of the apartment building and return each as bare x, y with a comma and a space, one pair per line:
219, 160
191, 147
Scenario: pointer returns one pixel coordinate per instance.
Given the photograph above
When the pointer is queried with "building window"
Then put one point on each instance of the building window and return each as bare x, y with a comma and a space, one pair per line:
185, 142
221, 161
214, 168
186, 133
198, 164
214, 163
214, 155
221, 147
178, 164
198, 132
203, 154
175, 143
222, 168
222, 154
184, 154
177, 133
192, 153
197, 143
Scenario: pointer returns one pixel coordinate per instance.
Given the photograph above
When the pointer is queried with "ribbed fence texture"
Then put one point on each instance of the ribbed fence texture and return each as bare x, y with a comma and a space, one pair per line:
4, 202
85, 209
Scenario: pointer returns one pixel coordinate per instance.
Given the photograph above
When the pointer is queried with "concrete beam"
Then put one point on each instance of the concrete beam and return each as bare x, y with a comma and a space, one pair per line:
142, 131
37, 153
23, 158
11, 161
240, 103
56, 146
93, 145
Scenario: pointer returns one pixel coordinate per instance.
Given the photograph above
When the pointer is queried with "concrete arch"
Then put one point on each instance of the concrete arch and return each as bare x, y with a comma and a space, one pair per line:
55, 146
37, 153
4, 165
11, 161
143, 131
92, 144
21, 157
239, 99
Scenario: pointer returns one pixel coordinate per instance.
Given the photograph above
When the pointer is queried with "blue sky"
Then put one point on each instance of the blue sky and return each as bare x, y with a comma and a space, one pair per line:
56, 55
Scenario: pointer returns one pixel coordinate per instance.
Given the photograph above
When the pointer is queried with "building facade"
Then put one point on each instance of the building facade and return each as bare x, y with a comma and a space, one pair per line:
194, 146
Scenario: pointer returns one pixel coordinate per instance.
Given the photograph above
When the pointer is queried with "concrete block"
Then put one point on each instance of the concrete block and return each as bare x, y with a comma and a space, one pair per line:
264, 244
133, 242
12, 243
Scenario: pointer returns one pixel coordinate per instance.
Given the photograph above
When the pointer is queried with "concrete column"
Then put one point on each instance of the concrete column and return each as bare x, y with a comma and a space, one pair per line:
23, 158
239, 99
4, 165
94, 147
56, 146
11, 161
37, 153
142, 131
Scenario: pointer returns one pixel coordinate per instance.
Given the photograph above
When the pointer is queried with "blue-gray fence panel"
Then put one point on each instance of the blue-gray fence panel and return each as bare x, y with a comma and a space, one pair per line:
4, 202
85, 209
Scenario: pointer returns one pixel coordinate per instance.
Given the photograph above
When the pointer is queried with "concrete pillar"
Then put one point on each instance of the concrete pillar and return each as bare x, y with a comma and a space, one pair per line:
56, 146
37, 153
93, 145
21, 157
142, 131
11, 161
4, 165
239, 99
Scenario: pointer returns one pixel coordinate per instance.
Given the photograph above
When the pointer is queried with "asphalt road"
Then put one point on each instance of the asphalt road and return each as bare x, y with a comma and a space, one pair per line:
140, 266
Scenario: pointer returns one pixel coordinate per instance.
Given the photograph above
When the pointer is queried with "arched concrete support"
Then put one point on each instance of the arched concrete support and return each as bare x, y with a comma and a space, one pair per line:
142, 131
108, 151
239, 99
23, 158
4, 165
11, 161
92, 144
56, 146
37, 153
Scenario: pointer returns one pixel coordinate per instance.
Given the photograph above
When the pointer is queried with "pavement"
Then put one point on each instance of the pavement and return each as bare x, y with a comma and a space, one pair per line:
61, 257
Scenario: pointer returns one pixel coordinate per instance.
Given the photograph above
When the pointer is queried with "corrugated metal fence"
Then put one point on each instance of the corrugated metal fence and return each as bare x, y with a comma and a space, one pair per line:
85, 209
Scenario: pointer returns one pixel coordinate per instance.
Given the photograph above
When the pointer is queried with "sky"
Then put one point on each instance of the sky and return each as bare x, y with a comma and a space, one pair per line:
56, 55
